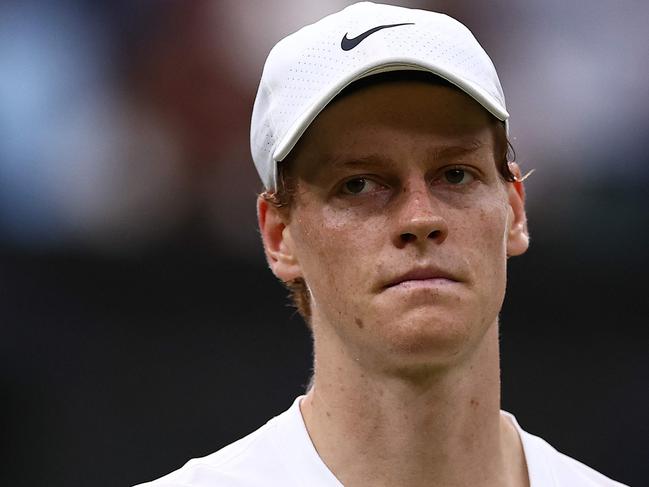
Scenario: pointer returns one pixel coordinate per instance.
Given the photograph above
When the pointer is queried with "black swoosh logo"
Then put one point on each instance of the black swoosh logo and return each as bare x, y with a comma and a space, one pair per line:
348, 44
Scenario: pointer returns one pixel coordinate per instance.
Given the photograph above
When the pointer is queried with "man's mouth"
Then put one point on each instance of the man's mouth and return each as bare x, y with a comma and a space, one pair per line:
422, 277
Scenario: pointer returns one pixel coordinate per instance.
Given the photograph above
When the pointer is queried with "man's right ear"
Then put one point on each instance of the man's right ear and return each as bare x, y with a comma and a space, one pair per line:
278, 242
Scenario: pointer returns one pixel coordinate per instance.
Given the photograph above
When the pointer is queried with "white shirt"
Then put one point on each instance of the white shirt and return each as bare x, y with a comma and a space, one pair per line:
280, 454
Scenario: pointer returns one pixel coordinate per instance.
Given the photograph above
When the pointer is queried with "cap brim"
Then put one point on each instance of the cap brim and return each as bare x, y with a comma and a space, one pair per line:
301, 124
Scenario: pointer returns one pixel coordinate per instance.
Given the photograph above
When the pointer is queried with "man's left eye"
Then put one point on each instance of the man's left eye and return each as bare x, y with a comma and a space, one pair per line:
458, 176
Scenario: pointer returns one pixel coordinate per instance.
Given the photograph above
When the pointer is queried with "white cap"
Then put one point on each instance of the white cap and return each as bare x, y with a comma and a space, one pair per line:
307, 69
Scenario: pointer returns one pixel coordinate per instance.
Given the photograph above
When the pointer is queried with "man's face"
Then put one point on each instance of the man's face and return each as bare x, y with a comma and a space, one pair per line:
400, 224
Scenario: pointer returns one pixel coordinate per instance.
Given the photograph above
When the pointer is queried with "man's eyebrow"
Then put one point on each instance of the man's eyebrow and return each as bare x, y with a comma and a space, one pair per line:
366, 160
439, 152
341, 161
346, 161
452, 151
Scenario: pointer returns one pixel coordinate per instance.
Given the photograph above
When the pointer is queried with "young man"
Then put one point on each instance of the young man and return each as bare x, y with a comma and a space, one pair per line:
390, 211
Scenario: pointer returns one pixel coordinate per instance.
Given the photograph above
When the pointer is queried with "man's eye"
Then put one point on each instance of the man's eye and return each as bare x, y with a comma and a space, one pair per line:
458, 176
358, 186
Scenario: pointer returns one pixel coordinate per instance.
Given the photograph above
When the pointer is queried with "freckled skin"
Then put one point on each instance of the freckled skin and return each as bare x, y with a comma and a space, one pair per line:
349, 246
388, 178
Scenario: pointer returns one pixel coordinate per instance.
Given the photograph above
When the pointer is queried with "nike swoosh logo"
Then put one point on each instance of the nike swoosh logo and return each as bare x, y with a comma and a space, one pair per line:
348, 44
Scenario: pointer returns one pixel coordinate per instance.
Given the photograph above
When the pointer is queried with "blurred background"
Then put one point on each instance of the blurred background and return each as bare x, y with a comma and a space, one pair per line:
140, 325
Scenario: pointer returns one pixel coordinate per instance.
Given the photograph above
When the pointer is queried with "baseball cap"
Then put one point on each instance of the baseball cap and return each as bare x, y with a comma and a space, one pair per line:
307, 69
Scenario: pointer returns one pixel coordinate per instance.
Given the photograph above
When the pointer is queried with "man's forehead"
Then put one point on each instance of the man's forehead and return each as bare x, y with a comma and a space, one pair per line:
394, 76
402, 99
364, 121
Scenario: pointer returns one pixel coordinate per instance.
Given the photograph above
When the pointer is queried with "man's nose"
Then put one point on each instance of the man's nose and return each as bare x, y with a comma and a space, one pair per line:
419, 220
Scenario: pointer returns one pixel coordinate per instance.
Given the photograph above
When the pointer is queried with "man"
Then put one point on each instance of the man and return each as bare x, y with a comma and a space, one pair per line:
390, 211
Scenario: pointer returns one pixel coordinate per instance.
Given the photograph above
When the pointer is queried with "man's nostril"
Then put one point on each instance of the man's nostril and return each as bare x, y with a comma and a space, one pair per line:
408, 237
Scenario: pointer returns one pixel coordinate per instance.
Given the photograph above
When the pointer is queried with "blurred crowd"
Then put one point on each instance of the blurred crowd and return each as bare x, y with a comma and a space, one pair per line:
125, 124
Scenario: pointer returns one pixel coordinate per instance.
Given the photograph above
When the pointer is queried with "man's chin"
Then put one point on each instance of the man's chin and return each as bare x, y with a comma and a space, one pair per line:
424, 336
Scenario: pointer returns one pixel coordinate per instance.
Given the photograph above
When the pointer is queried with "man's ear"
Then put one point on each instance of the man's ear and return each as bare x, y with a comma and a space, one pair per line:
518, 238
278, 242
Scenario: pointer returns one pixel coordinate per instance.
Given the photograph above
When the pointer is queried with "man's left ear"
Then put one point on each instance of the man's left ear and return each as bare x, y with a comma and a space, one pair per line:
518, 238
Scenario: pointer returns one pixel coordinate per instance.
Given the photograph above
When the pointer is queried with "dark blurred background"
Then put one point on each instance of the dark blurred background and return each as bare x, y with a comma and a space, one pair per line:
140, 324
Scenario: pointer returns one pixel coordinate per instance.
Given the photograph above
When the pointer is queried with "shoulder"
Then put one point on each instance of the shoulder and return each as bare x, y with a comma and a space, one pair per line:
279, 454
250, 461
549, 467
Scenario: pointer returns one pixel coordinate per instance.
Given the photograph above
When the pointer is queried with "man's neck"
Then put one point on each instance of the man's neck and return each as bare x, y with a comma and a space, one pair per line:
384, 430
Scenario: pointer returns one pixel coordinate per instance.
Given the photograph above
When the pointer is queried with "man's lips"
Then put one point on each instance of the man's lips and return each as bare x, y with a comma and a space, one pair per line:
421, 277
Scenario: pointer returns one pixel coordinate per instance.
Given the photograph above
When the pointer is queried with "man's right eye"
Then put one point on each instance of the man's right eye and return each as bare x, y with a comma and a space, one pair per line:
360, 185
355, 186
